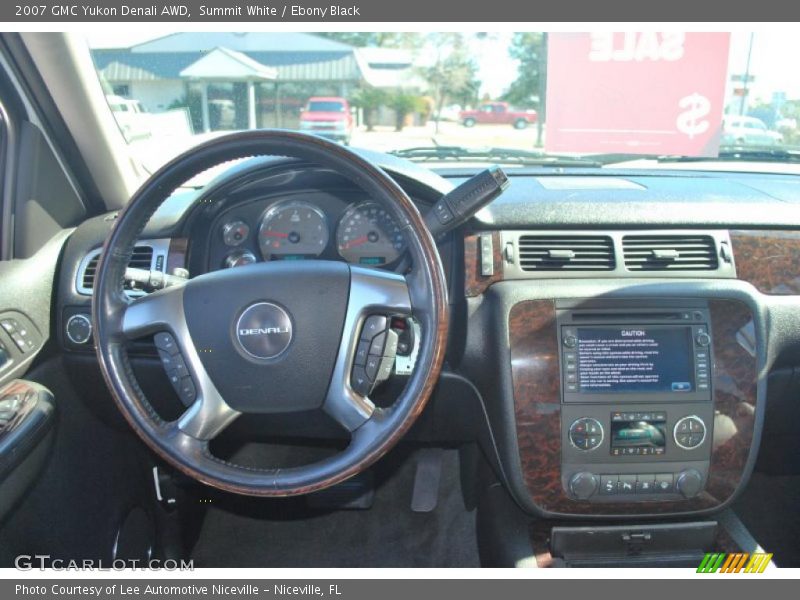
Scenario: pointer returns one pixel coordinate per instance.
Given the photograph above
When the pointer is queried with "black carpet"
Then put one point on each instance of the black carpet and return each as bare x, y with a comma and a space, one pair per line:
246, 532
770, 508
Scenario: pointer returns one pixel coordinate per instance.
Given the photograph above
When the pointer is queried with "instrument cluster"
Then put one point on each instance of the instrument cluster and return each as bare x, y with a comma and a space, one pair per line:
303, 227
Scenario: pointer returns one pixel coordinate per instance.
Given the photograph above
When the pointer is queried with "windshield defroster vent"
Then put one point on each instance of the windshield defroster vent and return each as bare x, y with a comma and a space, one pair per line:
566, 253
670, 253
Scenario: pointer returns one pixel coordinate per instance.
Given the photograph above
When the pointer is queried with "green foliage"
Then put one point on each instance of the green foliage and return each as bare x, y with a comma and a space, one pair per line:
377, 39
453, 75
530, 50
403, 105
369, 99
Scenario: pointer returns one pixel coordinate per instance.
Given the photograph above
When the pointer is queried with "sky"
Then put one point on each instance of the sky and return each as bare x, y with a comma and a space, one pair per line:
771, 58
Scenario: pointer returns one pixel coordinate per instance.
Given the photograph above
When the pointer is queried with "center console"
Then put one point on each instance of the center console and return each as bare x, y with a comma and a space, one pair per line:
629, 405
636, 395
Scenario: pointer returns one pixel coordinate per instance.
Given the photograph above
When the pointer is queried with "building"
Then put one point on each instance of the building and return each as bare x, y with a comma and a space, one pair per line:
246, 80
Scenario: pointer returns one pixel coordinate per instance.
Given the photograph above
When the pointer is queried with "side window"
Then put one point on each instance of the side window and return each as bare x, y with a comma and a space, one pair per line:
5, 221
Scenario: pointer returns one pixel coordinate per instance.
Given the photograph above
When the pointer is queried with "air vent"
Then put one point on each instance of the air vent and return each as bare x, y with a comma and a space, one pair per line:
670, 253
142, 258
566, 253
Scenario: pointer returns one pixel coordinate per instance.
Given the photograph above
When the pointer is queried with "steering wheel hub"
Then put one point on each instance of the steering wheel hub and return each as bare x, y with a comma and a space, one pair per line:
264, 330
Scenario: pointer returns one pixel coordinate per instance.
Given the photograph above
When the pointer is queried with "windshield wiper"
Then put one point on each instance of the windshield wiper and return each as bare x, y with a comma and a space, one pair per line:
496, 155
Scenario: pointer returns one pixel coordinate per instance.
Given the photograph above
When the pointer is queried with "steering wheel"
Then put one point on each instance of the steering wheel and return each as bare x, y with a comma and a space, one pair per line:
271, 337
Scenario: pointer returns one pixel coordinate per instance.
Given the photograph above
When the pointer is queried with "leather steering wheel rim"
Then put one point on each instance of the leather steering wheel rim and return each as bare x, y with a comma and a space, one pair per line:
184, 443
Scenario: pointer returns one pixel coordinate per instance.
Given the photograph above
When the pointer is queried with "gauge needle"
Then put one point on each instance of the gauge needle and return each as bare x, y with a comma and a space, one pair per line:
357, 242
276, 234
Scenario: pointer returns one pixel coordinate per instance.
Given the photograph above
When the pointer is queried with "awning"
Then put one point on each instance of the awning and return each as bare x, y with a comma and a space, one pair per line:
228, 65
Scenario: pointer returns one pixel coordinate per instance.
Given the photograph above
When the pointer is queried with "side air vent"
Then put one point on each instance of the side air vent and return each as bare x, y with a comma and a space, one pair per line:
566, 253
142, 258
670, 253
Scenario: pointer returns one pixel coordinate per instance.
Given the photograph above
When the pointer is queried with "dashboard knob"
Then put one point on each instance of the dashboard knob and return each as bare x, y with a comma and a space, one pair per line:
239, 258
703, 339
689, 483
583, 485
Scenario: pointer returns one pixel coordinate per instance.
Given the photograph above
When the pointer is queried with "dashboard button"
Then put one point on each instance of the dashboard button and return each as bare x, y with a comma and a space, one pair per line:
664, 483
703, 339
570, 341
608, 485
645, 484
626, 484
583, 485
689, 432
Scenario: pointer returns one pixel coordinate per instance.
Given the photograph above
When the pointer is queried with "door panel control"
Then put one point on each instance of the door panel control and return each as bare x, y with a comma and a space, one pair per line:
375, 354
21, 331
174, 364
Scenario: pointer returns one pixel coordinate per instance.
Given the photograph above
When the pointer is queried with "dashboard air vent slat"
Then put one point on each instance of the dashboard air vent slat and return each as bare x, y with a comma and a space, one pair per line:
142, 258
566, 253
670, 253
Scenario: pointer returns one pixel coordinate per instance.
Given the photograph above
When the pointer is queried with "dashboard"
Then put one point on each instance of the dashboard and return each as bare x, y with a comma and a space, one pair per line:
612, 333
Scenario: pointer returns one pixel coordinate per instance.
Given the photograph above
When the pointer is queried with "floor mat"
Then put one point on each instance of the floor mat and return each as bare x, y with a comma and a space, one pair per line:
770, 508
247, 532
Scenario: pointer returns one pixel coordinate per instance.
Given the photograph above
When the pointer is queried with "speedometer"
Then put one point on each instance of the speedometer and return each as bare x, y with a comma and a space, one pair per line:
368, 235
293, 230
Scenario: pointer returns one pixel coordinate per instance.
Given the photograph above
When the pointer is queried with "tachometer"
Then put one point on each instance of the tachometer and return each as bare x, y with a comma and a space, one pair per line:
293, 230
368, 235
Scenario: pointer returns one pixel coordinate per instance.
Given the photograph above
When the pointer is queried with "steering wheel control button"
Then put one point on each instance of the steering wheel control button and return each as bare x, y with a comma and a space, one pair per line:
586, 433
186, 391
361, 353
374, 325
164, 341
79, 329
664, 483
689, 432
264, 330
360, 383
372, 366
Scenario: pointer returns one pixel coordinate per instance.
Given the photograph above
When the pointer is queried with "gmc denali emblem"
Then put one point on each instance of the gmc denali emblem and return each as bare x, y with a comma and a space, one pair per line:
264, 330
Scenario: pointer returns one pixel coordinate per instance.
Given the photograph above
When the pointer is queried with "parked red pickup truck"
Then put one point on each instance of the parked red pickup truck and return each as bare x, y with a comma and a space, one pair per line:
497, 113
328, 117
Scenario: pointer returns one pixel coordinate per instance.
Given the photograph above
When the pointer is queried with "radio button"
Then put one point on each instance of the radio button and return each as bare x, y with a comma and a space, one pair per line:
702, 339
627, 484
570, 341
645, 484
664, 483
608, 485
583, 485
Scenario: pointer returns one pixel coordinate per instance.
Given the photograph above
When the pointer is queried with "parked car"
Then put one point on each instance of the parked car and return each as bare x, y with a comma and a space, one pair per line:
498, 113
329, 117
748, 131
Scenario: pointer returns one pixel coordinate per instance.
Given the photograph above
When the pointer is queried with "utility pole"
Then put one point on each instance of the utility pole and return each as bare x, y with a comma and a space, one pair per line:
542, 112
746, 81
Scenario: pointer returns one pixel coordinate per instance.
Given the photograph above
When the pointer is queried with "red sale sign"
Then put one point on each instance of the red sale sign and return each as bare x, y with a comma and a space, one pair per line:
641, 93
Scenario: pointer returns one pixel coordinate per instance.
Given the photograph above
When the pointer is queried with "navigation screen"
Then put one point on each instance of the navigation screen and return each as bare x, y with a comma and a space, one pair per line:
635, 359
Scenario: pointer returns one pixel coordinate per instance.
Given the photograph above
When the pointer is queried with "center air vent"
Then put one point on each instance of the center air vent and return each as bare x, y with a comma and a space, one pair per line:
566, 253
670, 252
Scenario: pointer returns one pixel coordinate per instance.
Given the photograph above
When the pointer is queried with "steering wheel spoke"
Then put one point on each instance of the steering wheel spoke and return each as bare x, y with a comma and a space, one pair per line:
162, 313
375, 297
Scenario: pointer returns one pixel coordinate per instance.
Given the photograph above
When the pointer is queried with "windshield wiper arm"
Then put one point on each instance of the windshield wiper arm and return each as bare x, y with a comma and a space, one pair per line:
502, 155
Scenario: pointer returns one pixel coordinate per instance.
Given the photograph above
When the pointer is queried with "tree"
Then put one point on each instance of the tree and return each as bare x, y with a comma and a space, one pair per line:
530, 50
377, 39
453, 75
369, 99
403, 105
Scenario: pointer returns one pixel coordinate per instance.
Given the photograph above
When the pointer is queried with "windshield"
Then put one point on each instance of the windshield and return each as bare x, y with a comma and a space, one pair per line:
530, 98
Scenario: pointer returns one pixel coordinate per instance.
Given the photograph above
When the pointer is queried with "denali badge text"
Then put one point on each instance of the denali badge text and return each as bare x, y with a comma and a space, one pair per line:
263, 331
